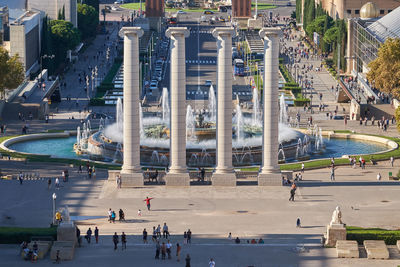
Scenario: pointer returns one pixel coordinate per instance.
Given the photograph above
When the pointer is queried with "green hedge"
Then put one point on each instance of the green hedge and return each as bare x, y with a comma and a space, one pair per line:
16, 235
97, 102
360, 234
285, 73
299, 102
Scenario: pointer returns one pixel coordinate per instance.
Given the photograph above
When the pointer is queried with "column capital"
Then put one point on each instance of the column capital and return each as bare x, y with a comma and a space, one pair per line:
224, 32
274, 32
131, 31
177, 31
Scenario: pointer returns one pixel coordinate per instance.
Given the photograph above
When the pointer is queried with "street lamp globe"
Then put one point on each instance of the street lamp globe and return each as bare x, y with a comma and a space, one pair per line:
54, 196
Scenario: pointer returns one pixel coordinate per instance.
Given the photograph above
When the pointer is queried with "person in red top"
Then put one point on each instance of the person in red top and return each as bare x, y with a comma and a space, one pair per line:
148, 202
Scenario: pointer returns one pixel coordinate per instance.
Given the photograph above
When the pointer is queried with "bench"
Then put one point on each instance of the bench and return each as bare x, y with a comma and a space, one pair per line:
347, 249
376, 249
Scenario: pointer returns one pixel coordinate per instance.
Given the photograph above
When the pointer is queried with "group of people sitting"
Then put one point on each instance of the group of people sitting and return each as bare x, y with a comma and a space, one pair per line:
29, 254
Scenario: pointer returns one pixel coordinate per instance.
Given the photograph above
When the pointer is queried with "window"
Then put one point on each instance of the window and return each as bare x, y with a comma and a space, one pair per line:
357, 12
389, 10
382, 11
349, 11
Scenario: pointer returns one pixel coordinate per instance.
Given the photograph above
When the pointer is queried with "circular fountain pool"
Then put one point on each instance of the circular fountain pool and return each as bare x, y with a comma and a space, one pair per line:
63, 148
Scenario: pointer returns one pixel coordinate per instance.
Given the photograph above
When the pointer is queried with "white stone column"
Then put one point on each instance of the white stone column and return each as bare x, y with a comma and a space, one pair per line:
178, 174
270, 172
131, 174
224, 174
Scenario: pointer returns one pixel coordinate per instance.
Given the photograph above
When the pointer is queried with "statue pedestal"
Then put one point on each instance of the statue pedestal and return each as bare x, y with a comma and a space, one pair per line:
132, 179
270, 179
335, 232
177, 179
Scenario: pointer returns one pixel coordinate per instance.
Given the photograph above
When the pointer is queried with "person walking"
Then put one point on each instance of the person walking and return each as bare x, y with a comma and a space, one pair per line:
187, 259
119, 181
144, 236
109, 214
189, 236
154, 236
178, 252
184, 237
302, 167
332, 174
211, 263
89, 235
113, 216
57, 183
378, 176
165, 231
121, 215
115, 240
20, 178
96, 234
298, 223
391, 161
158, 231
158, 248
148, 202
163, 251
292, 193
169, 247
49, 184
123, 241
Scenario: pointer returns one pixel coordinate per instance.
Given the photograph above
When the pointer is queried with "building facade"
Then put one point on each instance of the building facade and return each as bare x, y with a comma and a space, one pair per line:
4, 28
53, 7
154, 8
241, 8
344, 9
25, 39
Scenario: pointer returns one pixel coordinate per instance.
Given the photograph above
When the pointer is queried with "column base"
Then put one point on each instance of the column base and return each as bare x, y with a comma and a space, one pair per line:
132, 179
270, 179
177, 179
223, 179
112, 175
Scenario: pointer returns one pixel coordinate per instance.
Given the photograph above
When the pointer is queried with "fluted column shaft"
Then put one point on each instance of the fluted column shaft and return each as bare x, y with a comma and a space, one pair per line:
178, 100
271, 105
131, 127
224, 100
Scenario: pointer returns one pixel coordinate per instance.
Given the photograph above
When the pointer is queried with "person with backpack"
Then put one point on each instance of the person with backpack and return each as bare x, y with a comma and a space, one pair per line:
123, 241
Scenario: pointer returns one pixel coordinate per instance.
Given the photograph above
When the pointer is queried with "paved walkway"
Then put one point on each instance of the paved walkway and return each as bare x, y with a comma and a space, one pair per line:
211, 213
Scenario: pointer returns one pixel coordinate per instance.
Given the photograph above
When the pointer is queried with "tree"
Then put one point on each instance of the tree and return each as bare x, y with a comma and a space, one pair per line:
298, 11
92, 3
384, 71
61, 14
318, 26
88, 20
331, 35
64, 37
11, 71
397, 116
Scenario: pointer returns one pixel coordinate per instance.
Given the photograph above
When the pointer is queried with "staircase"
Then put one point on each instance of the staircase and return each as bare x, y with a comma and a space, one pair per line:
254, 42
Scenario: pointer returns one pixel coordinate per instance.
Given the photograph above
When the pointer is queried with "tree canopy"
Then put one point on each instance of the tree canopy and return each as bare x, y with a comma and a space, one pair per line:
331, 35
88, 19
93, 3
11, 71
384, 71
64, 33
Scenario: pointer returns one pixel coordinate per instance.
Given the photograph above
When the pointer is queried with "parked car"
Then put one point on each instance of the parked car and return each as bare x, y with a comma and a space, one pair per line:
181, 12
221, 19
208, 12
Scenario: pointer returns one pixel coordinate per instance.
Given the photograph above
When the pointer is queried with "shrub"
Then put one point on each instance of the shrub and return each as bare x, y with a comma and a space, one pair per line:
299, 102
16, 235
97, 102
360, 234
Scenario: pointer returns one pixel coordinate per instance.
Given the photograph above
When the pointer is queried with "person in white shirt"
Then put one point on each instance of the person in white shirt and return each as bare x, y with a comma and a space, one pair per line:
378, 177
211, 263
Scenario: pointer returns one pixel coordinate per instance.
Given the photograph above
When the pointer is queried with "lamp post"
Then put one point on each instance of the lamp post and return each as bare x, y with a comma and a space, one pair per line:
54, 197
41, 64
87, 87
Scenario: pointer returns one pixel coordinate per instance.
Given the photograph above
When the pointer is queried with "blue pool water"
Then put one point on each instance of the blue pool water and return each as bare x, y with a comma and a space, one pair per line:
63, 147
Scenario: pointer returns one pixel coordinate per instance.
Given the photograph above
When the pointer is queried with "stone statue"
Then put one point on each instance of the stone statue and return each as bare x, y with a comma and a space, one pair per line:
337, 216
